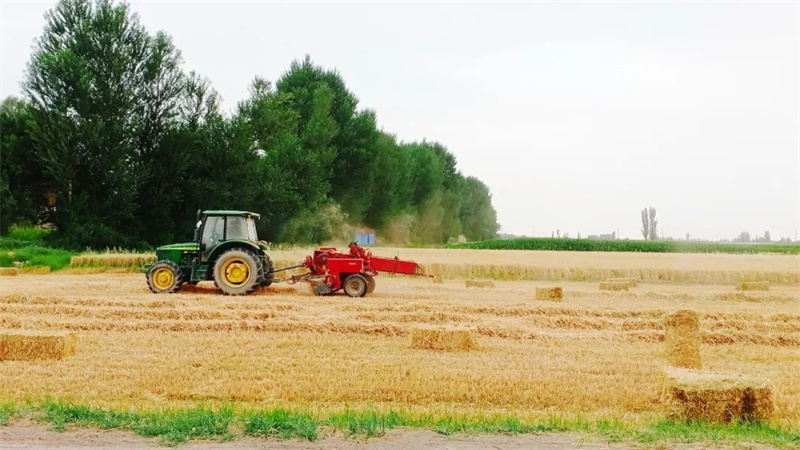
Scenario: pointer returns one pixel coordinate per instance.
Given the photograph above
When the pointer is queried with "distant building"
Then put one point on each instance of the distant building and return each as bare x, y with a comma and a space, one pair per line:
365, 236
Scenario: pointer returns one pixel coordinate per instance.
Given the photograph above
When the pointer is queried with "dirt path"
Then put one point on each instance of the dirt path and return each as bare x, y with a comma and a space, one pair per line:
25, 434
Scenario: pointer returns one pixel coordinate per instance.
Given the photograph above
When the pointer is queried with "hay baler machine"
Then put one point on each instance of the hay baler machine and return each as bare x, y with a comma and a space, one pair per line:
354, 271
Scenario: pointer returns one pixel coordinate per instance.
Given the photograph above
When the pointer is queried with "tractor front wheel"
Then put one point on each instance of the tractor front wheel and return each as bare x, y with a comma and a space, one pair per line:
238, 272
164, 277
355, 285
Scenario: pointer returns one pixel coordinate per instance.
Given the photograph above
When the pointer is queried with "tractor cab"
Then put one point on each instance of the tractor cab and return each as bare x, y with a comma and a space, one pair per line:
225, 249
218, 227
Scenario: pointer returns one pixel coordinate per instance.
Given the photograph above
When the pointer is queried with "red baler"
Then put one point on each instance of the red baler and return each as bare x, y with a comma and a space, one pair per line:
353, 271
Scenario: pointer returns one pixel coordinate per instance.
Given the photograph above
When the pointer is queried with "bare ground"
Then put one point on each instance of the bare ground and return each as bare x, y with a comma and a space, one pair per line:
26, 434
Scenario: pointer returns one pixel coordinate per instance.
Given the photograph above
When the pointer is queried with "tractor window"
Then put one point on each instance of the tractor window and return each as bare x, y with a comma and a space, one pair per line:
237, 229
251, 229
214, 231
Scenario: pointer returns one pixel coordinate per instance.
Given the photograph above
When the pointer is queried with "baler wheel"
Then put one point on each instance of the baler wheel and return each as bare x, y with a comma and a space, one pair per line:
370, 284
356, 285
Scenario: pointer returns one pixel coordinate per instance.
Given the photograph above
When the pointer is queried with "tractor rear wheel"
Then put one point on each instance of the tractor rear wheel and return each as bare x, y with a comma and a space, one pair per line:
269, 271
355, 285
164, 277
238, 272
370, 284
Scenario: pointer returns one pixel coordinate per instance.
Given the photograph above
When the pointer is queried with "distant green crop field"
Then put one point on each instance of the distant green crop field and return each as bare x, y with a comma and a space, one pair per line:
590, 245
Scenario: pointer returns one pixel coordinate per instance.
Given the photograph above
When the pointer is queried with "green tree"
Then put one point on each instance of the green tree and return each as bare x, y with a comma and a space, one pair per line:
295, 163
103, 94
21, 188
392, 191
355, 142
478, 216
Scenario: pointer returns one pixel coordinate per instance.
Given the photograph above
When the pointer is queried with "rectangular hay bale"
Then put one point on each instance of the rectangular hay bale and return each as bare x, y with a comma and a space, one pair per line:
9, 271
37, 270
696, 395
479, 284
551, 293
614, 286
26, 345
682, 335
443, 339
631, 281
752, 286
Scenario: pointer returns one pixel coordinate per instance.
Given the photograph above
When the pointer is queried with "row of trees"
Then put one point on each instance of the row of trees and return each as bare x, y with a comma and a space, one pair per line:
128, 145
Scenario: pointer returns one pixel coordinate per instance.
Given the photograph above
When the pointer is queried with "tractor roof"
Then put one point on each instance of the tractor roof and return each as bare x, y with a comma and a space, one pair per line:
223, 212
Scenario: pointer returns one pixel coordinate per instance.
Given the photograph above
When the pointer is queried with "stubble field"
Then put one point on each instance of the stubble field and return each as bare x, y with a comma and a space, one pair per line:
594, 356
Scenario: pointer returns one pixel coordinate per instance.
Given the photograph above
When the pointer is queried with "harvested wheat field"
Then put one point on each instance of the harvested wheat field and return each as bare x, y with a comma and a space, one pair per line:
594, 355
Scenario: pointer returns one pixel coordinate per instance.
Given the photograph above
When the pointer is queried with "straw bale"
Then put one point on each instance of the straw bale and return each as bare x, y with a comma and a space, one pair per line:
631, 281
435, 271
614, 286
752, 286
695, 395
479, 283
682, 335
443, 339
8, 271
29, 345
758, 404
37, 270
552, 293
111, 259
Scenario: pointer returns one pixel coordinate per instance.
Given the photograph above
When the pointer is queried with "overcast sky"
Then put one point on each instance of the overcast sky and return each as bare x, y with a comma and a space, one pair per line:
576, 115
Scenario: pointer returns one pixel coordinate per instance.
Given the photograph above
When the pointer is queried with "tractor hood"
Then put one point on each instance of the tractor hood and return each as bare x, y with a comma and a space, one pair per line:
190, 246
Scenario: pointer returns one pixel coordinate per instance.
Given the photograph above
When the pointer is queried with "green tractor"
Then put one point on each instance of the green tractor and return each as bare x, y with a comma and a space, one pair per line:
225, 249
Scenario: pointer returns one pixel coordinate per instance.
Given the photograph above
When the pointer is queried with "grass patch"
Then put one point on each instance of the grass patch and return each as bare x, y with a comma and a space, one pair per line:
179, 426
35, 256
174, 427
7, 411
668, 432
283, 424
27, 247
368, 423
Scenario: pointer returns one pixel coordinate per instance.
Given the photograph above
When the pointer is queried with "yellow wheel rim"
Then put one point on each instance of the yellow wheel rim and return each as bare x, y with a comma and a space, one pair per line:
235, 272
163, 278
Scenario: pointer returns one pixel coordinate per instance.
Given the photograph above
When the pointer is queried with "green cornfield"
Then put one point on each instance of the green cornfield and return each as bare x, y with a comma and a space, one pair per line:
591, 245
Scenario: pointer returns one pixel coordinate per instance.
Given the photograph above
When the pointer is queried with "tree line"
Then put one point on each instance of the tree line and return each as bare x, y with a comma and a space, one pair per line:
117, 145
